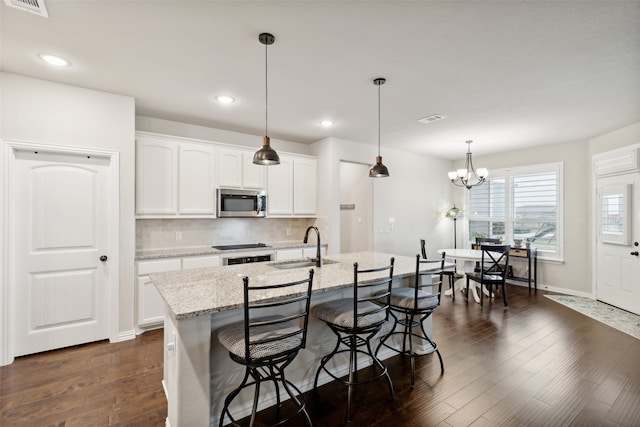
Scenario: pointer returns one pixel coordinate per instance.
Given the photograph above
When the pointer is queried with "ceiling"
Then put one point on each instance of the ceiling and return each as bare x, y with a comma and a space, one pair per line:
507, 74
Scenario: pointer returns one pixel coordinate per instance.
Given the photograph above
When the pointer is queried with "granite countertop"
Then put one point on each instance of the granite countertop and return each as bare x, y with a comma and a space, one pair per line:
197, 292
208, 250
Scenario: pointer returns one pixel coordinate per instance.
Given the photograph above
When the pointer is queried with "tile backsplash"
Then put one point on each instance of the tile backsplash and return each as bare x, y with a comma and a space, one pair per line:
154, 234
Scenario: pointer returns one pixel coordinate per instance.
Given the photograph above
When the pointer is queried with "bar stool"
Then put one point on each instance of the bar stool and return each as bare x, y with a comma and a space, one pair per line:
355, 321
266, 343
412, 302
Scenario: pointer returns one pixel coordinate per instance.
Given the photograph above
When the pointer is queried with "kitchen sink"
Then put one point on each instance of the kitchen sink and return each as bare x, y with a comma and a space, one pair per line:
298, 263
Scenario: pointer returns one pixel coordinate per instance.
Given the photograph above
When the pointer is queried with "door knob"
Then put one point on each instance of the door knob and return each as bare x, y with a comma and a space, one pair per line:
103, 258
635, 253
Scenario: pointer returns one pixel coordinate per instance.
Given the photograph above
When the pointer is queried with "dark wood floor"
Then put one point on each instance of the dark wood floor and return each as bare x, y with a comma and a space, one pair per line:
537, 364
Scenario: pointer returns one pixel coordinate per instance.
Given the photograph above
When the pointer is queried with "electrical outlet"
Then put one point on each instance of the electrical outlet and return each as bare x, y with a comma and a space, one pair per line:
178, 235
287, 231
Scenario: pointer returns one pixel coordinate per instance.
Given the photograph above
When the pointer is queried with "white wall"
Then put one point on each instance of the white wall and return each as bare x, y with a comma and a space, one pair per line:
356, 225
51, 113
619, 138
168, 127
415, 193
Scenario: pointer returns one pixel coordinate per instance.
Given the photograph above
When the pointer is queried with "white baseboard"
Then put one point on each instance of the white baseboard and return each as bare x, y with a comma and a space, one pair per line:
556, 289
125, 336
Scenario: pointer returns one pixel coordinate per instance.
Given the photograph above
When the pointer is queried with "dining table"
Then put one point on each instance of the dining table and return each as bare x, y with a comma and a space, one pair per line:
469, 257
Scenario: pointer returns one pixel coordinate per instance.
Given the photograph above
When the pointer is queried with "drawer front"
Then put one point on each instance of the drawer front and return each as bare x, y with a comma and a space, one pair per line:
159, 266
518, 253
200, 262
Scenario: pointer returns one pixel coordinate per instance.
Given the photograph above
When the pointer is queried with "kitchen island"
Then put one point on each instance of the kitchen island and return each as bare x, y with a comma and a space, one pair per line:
198, 373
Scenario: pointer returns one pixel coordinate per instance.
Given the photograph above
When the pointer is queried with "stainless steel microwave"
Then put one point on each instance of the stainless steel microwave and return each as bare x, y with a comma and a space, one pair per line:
236, 203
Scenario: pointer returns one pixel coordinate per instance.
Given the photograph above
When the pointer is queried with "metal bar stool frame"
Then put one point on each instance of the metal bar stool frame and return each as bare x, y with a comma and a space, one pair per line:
361, 332
414, 302
270, 366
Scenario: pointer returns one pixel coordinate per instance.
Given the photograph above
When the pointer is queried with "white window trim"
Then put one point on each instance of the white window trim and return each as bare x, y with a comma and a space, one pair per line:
558, 167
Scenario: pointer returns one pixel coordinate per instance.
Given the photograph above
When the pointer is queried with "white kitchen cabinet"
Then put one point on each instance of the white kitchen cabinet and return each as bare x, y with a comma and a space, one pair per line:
253, 176
149, 304
287, 254
197, 167
200, 262
297, 253
280, 187
311, 252
293, 186
174, 177
156, 176
236, 169
305, 186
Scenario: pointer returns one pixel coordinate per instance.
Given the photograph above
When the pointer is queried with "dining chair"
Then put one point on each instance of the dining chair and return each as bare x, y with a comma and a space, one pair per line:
479, 242
451, 274
493, 270
414, 305
266, 343
355, 321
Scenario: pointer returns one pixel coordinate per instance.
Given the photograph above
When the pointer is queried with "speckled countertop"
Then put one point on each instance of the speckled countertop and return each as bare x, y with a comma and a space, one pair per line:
197, 292
208, 250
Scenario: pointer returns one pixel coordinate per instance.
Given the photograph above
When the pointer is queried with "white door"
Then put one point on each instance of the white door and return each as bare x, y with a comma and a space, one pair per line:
618, 240
61, 228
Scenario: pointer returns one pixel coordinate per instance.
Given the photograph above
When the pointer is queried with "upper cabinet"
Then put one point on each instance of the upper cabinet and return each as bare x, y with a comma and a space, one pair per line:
305, 186
197, 178
156, 176
236, 169
177, 178
293, 186
280, 187
174, 177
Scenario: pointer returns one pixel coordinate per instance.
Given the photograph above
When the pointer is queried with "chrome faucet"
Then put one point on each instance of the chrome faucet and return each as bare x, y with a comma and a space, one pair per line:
318, 259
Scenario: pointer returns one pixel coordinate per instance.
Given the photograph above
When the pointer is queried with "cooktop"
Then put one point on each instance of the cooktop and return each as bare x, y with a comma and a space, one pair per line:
242, 246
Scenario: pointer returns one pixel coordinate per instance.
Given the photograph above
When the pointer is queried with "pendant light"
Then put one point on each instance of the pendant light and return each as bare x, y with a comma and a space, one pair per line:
266, 156
378, 170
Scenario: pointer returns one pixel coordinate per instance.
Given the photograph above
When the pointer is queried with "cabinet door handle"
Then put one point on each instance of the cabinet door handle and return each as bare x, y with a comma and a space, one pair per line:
103, 258
635, 253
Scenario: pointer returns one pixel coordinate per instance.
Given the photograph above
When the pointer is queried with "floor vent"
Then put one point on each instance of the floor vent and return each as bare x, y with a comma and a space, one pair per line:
432, 118
34, 6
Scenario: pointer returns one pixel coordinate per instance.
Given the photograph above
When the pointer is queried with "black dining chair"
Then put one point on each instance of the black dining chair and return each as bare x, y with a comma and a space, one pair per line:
266, 343
452, 275
355, 321
483, 241
493, 270
414, 305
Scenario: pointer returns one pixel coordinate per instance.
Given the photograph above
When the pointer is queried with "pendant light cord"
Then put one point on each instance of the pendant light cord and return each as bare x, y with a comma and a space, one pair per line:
378, 120
266, 90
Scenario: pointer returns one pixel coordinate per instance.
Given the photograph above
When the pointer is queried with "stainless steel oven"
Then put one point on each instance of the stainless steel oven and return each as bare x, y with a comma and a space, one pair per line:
236, 203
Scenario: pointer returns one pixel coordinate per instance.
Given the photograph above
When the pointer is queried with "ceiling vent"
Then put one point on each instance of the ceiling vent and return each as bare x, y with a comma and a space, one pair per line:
432, 118
34, 6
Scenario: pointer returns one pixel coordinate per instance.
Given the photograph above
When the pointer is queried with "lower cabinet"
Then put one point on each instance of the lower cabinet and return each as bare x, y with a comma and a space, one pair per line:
149, 304
297, 253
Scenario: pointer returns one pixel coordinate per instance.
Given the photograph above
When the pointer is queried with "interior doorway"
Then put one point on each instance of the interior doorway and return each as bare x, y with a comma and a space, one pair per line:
63, 257
356, 208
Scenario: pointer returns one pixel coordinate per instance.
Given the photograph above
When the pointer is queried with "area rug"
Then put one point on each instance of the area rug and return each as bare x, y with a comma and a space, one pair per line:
624, 321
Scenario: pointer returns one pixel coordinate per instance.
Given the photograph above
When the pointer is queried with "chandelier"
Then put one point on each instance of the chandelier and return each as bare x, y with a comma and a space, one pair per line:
468, 177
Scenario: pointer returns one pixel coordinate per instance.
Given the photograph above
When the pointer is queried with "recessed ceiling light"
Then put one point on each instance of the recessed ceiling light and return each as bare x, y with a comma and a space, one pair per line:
54, 60
225, 99
326, 123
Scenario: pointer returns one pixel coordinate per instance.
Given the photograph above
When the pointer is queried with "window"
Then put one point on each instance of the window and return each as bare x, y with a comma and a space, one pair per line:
520, 203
